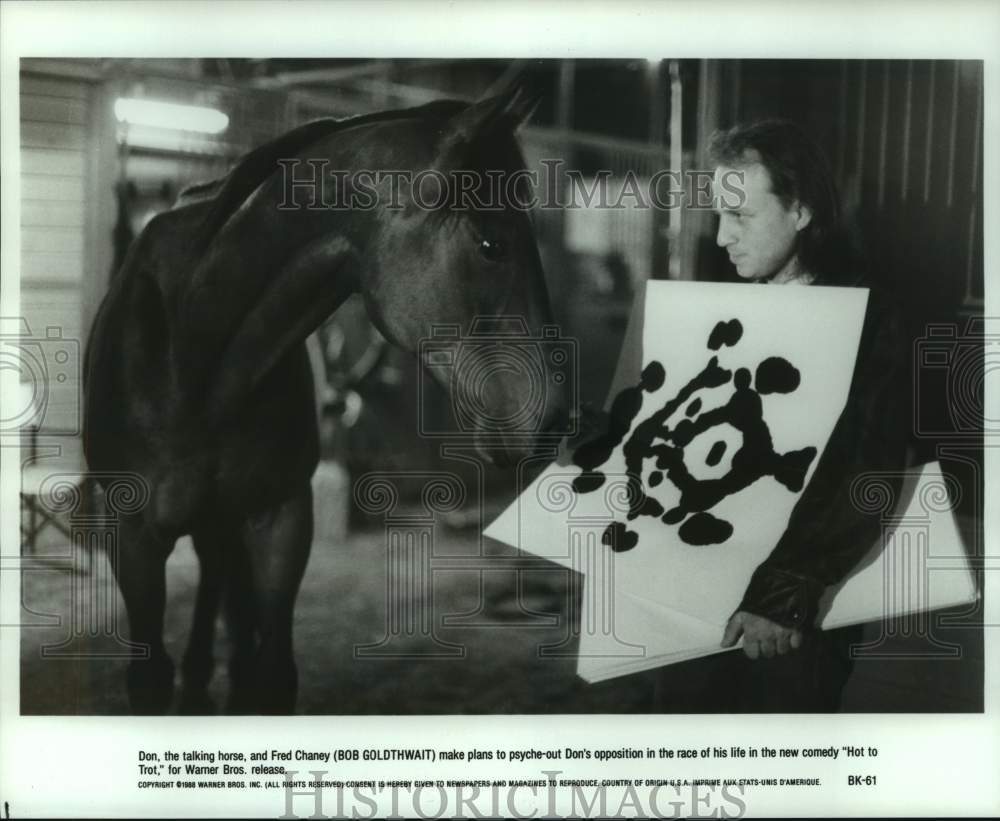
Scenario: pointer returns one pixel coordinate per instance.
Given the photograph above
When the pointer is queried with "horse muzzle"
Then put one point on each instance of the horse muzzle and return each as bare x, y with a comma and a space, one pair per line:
508, 449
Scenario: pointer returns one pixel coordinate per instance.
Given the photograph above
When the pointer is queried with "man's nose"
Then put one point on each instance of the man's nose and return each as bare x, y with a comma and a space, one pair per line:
724, 236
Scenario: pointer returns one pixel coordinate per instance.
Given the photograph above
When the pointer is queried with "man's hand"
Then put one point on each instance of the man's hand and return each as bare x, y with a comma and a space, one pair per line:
761, 637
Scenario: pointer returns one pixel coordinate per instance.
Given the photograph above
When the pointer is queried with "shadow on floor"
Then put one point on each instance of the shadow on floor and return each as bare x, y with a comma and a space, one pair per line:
475, 647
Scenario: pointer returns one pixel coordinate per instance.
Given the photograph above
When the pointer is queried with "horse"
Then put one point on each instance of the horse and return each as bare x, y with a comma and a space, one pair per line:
197, 377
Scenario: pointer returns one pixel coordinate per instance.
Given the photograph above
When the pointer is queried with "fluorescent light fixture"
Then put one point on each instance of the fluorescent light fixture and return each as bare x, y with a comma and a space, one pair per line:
170, 115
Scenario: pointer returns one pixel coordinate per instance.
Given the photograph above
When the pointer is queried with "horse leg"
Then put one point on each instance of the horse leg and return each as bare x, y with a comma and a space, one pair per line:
278, 543
240, 629
199, 659
139, 564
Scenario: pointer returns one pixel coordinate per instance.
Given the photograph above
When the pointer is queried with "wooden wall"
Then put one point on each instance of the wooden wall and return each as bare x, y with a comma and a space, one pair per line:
905, 142
61, 211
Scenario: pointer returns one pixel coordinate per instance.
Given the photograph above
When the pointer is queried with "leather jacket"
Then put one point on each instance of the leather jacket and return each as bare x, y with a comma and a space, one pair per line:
827, 534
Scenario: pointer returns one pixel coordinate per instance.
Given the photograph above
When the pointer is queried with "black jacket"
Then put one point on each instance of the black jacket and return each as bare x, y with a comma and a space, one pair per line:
828, 534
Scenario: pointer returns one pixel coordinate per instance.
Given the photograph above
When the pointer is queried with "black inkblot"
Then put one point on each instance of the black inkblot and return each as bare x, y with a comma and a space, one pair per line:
776, 375
653, 376
725, 333
588, 481
653, 438
619, 538
684, 432
624, 409
648, 506
715, 454
793, 466
594, 453
703, 528
673, 516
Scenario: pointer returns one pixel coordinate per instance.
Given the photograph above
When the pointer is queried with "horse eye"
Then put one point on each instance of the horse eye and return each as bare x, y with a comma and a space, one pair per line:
492, 249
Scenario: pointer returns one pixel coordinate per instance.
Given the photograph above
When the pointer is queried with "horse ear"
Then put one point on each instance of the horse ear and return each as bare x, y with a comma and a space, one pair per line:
505, 110
514, 103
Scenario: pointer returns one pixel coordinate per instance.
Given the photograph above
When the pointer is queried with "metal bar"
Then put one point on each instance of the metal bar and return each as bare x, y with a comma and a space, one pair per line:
413, 94
930, 134
842, 105
598, 141
977, 133
970, 254
675, 217
735, 90
862, 95
907, 124
883, 135
656, 102
953, 136
564, 98
326, 75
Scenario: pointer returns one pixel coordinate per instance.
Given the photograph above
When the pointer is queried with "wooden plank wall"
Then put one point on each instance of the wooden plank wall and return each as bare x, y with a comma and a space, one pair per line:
54, 179
905, 141
911, 147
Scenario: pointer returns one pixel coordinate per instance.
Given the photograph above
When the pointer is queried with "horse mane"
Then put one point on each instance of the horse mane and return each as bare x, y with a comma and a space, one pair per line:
197, 192
257, 165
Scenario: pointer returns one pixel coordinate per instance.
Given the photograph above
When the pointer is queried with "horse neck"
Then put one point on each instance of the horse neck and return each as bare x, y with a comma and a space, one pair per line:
265, 252
273, 273
273, 225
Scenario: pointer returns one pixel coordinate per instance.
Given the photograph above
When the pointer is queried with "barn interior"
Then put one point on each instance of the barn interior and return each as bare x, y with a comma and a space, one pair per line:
483, 632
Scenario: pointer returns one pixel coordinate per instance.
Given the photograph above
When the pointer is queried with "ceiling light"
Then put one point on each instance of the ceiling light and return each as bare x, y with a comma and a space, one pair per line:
170, 115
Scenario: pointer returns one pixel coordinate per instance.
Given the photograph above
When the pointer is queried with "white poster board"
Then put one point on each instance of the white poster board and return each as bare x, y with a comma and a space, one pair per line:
724, 399
919, 564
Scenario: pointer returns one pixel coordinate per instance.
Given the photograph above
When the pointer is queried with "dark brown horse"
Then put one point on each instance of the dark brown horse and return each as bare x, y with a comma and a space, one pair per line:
198, 378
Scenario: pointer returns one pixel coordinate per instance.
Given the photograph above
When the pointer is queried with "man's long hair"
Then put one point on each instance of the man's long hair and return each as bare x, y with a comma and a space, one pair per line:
799, 171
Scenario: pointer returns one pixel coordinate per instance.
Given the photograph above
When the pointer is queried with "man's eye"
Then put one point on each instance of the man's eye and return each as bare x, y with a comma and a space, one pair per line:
492, 249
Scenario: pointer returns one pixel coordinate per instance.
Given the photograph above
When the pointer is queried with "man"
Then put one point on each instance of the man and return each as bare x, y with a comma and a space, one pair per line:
779, 223
779, 215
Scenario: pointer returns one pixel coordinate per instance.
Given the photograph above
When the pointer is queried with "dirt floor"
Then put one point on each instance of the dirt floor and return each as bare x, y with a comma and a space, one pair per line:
476, 642
354, 653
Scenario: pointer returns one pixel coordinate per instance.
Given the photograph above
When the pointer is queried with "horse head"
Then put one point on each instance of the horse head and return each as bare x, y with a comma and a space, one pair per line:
456, 278
438, 239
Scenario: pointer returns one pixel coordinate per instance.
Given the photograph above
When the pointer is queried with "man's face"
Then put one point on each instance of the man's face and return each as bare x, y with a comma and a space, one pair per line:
759, 234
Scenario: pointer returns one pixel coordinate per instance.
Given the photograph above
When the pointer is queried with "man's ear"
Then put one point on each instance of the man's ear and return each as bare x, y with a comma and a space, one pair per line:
803, 216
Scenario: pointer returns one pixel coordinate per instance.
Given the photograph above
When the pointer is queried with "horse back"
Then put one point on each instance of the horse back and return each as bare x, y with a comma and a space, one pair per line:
143, 413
